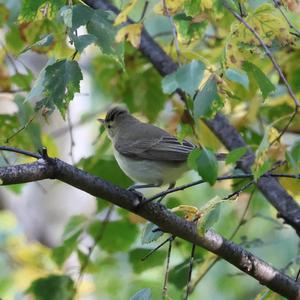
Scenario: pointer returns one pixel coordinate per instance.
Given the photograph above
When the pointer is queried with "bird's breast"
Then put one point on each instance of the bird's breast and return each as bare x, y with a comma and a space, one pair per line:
150, 171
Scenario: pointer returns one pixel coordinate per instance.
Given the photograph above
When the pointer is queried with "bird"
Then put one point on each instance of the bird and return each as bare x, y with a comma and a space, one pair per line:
147, 154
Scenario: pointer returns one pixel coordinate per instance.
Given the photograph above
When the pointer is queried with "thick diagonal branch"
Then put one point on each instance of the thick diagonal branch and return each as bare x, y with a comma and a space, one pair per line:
156, 213
287, 208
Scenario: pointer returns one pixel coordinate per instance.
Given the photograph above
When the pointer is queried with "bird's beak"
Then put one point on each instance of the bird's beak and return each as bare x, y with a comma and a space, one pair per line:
102, 121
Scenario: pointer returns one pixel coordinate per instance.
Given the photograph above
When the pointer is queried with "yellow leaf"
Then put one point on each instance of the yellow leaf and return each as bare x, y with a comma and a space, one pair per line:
173, 7
123, 15
8, 221
272, 134
268, 23
211, 204
136, 219
206, 4
190, 212
131, 33
292, 187
277, 151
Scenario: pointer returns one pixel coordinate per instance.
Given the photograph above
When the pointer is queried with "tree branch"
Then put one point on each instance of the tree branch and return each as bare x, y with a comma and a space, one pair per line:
288, 209
167, 221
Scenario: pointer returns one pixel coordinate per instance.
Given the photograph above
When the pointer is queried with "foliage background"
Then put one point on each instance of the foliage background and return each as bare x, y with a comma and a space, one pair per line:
63, 64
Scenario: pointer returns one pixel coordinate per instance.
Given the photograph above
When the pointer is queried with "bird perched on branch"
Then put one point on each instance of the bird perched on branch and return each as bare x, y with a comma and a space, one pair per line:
146, 153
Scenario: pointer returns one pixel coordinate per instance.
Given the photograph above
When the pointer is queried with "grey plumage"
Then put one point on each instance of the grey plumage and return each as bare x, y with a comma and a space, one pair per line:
149, 142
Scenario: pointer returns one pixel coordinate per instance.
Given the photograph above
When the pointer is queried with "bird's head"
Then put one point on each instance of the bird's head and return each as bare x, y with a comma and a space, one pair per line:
113, 119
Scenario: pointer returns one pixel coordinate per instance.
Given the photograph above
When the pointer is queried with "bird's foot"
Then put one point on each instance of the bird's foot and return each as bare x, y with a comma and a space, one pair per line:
140, 198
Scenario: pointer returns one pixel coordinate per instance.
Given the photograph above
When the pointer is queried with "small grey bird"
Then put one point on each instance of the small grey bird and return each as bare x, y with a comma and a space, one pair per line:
146, 153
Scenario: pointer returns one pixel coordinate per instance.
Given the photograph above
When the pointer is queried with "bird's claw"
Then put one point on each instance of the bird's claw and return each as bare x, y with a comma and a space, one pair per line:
140, 198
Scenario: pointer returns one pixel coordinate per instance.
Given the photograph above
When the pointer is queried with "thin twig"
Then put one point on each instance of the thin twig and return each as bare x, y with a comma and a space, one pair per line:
190, 272
278, 6
185, 186
11, 60
5, 158
96, 241
298, 275
144, 11
13, 91
174, 30
158, 247
242, 12
20, 151
220, 178
38, 184
286, 127
242, 189
89, 117
243, 216
266, 49
21, 128
72, 142
165, 287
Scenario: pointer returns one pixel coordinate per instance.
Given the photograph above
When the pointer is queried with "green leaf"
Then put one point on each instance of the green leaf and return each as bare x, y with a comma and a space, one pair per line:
261, 169
33, 130
85, 260
137, 87
238, 76
207, 101
179, 274
262, 163
234, 155
30, 7
210, 214
206, 164
66, 15
22, 80
81, 15
61, 253
106, 169
53, 287
188, 30
82, 41
36, 92
101, 26
139, 266
293, 157
265, 85
72, 231
74, 226
59, 84
117, 236
208, 220
186, 78
76, 16
192, 159
192, 7
144, 294
45, 41
295, 151
151, 233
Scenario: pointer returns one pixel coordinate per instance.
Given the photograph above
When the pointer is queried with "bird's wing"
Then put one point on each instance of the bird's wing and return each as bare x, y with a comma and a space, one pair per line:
164, 148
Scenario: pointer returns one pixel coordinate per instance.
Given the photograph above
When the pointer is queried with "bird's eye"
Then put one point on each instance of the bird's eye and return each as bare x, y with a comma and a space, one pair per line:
108, 126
